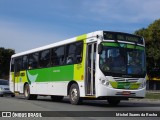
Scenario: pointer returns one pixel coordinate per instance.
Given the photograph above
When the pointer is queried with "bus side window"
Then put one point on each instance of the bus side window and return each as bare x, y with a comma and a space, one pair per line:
18, 65
54, 59
12, 65
57, 57
79, 52
25, 62
44, 60
33, 61
71, 49
74, 53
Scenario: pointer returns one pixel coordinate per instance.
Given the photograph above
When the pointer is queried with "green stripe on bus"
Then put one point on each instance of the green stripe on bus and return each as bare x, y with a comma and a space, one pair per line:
110, 44
60, 73
124, 45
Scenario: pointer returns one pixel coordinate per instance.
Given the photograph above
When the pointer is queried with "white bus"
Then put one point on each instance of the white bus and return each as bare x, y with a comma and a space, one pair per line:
99, 65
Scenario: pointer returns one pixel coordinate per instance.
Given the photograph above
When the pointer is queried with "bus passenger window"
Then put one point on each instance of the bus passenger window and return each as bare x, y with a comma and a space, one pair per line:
12, 65
24, 62
69, 60
33, 61
79, 52
71, 49
44, 60
74, 53
18, 64
57, 56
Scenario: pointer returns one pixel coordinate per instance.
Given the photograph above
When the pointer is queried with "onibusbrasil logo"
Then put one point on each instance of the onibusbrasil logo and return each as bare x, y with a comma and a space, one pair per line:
21, 114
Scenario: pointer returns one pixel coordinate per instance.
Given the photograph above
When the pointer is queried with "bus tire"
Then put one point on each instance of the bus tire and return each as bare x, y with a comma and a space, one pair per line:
13, 95
27, 94
113, 101
1, 95
74, 95
56, 98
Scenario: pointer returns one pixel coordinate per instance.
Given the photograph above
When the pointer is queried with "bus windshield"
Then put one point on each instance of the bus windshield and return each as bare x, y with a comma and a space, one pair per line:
119, 62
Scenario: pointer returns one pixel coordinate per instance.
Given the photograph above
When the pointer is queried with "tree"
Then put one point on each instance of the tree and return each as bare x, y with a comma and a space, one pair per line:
5, 56
151, 35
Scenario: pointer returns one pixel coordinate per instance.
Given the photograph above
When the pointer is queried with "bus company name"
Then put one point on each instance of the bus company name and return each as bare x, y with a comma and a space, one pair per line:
56, 70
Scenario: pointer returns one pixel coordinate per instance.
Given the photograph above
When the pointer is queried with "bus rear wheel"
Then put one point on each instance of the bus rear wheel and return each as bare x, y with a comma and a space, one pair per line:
74, 95
27, 94
13, 95
56, 98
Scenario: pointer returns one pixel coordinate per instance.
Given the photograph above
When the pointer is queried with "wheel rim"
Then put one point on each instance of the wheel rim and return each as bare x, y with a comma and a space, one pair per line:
74, 94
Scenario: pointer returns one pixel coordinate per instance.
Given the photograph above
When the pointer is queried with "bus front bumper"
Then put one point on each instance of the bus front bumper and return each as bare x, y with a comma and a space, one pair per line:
104, 91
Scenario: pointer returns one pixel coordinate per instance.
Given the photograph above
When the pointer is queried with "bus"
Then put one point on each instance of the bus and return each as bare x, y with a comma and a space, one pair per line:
102, 65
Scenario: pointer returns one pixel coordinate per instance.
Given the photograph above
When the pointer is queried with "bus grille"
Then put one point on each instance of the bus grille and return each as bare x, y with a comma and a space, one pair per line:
120, 79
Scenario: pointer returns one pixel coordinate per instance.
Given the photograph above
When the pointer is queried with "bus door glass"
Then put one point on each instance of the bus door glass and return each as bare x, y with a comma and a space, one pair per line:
12, 76
90, 69
17, 73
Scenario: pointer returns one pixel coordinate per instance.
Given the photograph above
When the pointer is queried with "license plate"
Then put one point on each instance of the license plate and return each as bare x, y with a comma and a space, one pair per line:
126, 93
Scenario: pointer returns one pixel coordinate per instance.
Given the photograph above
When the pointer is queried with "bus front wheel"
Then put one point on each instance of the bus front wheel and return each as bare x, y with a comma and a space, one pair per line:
74, 95
27, 94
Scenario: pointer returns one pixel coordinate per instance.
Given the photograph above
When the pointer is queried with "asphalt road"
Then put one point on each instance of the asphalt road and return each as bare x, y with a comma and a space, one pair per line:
46, 104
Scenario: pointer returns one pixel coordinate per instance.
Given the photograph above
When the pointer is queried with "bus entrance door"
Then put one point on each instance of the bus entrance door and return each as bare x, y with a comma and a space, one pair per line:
90, 69
16, 74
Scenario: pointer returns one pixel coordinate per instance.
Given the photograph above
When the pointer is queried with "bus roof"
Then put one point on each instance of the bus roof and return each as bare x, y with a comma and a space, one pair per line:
67, 41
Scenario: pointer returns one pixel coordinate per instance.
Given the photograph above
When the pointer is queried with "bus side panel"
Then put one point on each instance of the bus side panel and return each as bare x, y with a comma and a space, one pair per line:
49, 88
17, 81
50, 81
54, 80
22, 80
79, 69
11, 82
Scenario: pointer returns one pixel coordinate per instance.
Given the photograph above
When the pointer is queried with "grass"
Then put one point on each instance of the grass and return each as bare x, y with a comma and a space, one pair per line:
152, 95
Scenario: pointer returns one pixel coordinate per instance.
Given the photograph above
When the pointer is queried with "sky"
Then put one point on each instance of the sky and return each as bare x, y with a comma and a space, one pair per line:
27, 24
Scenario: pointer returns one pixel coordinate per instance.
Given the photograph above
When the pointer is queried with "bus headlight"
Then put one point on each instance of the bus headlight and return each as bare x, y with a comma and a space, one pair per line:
105, 82
143, 84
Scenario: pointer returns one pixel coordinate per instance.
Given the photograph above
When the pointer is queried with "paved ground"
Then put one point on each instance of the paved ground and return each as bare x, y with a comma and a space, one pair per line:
45, 104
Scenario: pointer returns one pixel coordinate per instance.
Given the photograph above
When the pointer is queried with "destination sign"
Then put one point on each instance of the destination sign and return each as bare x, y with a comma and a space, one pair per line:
122, 37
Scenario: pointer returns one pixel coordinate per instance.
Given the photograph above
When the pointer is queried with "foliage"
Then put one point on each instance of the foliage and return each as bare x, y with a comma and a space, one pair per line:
151, 35
5, 56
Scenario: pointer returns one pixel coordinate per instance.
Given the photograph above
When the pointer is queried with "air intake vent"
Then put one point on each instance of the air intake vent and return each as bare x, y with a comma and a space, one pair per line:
121, 79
